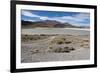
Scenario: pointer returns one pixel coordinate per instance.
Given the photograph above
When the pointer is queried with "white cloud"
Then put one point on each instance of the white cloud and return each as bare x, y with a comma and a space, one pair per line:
29, 20
29, 14
44, 18
83, 16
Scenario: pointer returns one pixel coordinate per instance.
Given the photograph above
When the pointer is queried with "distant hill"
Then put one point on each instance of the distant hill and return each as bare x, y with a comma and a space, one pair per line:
46, 24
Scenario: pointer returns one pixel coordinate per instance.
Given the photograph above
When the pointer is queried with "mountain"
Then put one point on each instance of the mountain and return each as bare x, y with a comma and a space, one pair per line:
47, 24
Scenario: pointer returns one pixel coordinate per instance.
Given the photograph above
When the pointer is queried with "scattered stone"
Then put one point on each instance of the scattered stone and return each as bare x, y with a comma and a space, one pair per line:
34, 51
72, 48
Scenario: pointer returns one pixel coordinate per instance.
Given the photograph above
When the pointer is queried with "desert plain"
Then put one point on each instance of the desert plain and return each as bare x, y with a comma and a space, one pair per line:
46, 45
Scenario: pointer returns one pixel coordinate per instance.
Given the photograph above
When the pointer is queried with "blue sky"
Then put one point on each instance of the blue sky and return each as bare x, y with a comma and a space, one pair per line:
74, 18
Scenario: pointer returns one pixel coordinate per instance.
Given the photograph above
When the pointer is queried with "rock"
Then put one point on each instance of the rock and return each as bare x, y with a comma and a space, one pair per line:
72, 48
34, 51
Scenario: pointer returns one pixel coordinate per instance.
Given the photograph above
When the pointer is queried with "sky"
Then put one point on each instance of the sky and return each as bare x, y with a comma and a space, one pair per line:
74, 18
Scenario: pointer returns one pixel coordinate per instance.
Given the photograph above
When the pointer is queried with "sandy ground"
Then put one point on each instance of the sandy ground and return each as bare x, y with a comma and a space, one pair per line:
58, 47
80, 54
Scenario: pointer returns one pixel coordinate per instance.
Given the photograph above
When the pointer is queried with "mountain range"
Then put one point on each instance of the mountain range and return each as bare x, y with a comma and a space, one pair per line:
48, 24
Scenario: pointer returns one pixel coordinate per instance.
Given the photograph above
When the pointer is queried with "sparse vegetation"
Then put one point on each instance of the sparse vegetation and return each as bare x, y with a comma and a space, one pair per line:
86, 40
67, 42
60, 40
27, 38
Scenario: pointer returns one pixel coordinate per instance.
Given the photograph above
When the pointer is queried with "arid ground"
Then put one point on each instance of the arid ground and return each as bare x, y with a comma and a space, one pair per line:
55, 47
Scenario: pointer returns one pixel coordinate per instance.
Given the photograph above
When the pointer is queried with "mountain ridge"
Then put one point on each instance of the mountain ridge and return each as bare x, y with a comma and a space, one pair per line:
47, 24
